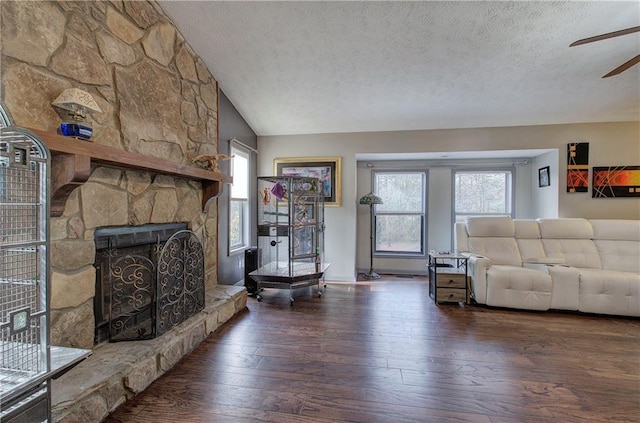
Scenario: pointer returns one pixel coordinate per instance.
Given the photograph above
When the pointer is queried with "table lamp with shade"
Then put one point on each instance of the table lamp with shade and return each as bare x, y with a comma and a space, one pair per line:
76, 103
370, 200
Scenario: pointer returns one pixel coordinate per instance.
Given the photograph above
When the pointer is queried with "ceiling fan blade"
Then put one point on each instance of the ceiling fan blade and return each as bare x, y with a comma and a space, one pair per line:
623, 67
605, 36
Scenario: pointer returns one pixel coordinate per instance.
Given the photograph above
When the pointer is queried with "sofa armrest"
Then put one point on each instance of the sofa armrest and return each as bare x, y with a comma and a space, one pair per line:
478, 267
477, 260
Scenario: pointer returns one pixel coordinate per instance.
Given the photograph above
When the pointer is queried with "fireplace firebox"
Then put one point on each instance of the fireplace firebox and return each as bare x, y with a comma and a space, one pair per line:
149, 278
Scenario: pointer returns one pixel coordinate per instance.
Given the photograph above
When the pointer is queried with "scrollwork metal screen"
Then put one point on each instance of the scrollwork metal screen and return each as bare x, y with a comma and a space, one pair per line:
153, 287
180, 283
132, 298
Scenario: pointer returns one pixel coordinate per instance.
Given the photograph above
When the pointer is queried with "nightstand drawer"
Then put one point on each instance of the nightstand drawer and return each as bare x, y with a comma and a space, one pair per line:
451, 280
451, 295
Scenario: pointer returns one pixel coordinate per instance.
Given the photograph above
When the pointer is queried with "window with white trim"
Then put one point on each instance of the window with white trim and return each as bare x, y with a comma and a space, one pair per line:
483, 193
239, 200
400, 221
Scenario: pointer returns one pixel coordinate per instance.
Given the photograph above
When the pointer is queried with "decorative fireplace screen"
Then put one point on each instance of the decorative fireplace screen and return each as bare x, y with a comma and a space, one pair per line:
148, 279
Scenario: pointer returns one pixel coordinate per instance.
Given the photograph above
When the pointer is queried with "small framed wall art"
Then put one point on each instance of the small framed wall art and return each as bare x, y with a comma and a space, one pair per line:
544, 179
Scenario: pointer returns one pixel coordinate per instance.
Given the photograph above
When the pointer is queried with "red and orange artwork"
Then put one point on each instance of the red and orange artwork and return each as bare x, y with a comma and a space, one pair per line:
577, 180
616, 181
578, 167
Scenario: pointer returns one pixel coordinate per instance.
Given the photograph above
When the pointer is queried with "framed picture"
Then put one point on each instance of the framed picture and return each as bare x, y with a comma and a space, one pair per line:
616, 181
578, 167
327, 169
543, 177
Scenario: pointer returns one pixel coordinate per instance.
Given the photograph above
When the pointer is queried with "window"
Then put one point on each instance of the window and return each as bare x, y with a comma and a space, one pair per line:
239, 202
400, 220
483, 193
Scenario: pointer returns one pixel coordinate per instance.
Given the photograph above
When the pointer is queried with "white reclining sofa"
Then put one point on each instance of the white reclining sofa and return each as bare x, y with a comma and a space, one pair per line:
592, 266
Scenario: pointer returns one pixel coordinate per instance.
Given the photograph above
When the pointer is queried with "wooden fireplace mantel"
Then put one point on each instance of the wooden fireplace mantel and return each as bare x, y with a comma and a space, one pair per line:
71, 167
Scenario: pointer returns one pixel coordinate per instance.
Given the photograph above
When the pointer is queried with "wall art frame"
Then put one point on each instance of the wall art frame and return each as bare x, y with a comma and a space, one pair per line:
615, 181
578, 167
544, 177
327, 169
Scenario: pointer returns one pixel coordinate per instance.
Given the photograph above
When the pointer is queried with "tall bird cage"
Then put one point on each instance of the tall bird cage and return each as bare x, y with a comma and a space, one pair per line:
24, 295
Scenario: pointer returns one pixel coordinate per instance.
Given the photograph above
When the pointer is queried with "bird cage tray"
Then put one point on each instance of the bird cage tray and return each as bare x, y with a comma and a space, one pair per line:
15, 383
283, 275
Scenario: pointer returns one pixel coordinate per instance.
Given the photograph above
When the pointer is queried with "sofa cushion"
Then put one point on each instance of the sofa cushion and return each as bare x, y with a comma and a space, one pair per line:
609, 292
526, 229
518, 287
616, 230
493, 237
528, 239
566, 287
498, 250
570, 240
619, 255
574, 252
565, 228
490, 226
618, 243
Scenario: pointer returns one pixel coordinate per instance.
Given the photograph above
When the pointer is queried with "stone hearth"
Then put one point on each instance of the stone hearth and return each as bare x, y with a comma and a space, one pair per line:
118, 371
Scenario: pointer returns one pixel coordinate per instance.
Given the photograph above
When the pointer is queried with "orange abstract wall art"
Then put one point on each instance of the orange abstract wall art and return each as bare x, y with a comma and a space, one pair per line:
578, 167
616, 181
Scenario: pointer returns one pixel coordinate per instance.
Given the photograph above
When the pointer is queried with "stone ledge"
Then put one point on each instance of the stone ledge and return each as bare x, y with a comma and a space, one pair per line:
116, 372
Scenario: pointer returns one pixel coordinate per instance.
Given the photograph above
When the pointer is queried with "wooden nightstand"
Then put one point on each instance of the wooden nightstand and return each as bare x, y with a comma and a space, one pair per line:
448, 278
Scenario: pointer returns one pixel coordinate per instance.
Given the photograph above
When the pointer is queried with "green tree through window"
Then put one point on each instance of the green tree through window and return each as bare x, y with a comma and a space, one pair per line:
482, 193
400, 220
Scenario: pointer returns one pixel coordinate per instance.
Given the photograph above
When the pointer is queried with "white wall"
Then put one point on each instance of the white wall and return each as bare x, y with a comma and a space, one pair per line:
439, 213
546, 198
610, 144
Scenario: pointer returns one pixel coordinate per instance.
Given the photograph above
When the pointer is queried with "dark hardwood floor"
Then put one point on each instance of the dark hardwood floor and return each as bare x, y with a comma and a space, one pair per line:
383, 352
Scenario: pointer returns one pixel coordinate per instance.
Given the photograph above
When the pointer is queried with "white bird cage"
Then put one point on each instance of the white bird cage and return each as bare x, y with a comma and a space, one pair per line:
24, 339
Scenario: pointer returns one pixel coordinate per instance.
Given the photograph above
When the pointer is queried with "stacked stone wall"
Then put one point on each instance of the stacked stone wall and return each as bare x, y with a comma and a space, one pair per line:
157, 97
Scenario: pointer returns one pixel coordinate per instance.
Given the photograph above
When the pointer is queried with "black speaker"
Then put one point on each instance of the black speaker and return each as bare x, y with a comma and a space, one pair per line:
251, 261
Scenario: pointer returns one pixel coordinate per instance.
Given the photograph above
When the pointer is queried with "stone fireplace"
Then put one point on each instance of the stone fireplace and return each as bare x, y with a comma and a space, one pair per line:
158, 100
114, 197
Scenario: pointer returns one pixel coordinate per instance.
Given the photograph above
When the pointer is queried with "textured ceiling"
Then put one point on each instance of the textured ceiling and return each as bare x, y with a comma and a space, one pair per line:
324, 67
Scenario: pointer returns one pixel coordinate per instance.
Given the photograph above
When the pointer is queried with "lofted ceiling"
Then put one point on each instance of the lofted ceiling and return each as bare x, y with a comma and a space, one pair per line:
325, 67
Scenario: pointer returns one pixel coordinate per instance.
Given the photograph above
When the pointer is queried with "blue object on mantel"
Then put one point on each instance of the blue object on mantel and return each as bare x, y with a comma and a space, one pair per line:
76, 130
